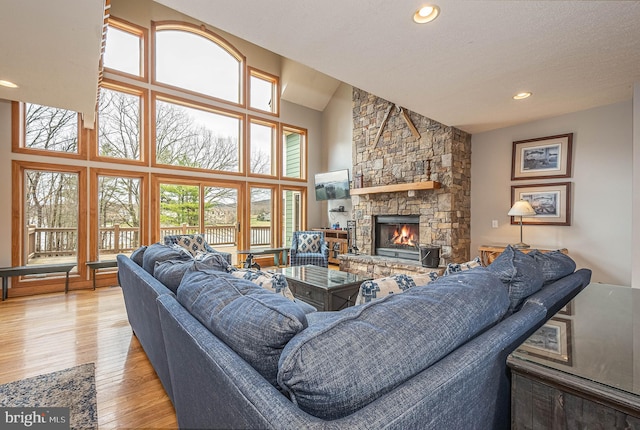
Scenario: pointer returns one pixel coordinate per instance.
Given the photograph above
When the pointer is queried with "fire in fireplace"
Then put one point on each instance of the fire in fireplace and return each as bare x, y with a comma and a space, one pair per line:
397, 236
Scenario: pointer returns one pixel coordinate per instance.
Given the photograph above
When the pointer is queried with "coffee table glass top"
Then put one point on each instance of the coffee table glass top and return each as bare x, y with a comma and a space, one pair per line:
322, 277
596, 337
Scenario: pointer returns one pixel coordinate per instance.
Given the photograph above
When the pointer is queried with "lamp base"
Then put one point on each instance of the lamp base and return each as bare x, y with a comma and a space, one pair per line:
521, 245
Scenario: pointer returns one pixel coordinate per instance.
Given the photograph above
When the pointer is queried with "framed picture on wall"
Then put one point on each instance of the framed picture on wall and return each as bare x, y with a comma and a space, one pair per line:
552, 203
542, 158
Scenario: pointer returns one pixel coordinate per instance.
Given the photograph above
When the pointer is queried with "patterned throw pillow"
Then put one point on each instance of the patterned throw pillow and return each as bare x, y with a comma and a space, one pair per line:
309, 242
460, 267
396, 284
194, 243
275, 282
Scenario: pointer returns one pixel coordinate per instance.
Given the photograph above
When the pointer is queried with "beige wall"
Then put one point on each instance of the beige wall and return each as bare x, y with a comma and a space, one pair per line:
635, 274
600, 233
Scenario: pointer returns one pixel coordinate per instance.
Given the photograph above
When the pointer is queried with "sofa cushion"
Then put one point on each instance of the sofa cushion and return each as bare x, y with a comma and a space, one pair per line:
158, 252
274, 282
252, 321
554, 265
171, 272
519, 272
309, 242
138, 255
459, 267
346, 360
396, 284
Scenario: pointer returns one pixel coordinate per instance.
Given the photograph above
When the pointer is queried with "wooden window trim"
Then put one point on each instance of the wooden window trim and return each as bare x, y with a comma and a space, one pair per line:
275, 160
213, 37
275, 80
155, 96
303, 155
143, 34
144, 126
18, 130
275, 198
53, 283
95, 174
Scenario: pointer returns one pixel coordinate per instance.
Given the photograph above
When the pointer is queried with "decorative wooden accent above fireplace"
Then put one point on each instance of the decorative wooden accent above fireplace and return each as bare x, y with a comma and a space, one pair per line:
413, 186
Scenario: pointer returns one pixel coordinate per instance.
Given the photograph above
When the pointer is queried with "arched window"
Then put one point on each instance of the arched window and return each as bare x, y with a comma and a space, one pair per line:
197, 60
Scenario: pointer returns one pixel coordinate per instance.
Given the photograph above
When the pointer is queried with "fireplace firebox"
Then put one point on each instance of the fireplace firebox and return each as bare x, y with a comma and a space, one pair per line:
397, 236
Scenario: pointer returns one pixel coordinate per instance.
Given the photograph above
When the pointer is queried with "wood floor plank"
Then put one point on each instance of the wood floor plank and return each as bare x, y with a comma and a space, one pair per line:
46, 333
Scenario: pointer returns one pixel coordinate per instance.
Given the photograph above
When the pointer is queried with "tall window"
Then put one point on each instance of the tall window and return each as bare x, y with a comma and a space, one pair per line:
262, 147
179, 209
119, 214
51, 216
292, 213
197, 138
125, 47
193, 59
263, 91
261, 217
119, 124
293, 152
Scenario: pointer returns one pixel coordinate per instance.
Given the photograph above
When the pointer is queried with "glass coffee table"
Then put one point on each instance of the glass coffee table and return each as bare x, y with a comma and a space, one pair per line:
326, 289
582, 366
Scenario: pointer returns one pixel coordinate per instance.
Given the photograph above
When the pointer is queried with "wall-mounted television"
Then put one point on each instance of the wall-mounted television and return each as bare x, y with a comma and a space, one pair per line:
332, 185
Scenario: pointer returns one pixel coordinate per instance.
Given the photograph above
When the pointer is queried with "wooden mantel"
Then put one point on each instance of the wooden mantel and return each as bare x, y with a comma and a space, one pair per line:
412, 186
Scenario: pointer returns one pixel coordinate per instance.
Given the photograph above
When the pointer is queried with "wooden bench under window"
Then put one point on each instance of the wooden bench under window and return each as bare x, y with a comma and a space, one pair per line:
7, 272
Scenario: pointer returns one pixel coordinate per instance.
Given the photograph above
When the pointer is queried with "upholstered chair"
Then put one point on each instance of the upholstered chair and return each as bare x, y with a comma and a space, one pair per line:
195, 244
309, 247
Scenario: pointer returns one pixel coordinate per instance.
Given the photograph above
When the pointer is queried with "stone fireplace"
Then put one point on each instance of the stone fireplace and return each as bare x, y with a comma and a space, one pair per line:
397, 236
388, 152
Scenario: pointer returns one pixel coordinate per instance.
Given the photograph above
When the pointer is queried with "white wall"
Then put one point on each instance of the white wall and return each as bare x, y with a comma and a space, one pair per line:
635, 275
599, 237
337, 133
5, 178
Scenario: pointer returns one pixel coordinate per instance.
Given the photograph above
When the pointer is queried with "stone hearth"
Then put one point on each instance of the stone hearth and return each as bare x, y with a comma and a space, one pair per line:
400, 157
374, 266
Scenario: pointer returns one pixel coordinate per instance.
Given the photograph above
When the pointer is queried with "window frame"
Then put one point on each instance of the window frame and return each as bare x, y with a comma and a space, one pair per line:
19, 129
213, 37
143, 34
275, 81
144, 125
275, 147
303, 152
48, 283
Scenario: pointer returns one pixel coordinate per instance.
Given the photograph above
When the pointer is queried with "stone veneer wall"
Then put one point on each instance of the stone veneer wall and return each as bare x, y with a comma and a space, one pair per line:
398, 157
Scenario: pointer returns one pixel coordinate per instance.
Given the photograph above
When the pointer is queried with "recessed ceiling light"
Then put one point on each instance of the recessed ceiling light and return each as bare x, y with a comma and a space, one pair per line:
7, 84
426, 14
522, 95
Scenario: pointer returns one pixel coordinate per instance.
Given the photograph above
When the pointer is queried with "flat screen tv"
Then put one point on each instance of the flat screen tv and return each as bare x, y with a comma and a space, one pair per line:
332, 185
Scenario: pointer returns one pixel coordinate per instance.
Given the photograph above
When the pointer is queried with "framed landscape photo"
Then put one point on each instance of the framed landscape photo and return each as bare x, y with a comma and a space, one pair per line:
552, 203
542, 158
552, 341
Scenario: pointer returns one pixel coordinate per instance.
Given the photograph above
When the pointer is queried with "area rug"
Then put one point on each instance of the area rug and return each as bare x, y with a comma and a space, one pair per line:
73, 388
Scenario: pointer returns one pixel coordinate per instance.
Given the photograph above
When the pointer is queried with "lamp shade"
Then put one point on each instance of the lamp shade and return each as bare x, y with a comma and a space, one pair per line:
521, 208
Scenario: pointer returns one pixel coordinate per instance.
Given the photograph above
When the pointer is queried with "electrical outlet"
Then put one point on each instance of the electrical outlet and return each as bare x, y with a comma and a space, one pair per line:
494, 223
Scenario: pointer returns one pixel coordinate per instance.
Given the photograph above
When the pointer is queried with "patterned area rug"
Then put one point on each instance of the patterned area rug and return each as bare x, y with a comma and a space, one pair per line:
74, 388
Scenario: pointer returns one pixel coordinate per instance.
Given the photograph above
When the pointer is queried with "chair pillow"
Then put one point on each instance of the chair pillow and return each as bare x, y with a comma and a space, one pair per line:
194, 243
274, 282
138, 255
171, 272
520, 273
396, 284
309, 242
252, 321
346, 360
554, 265
159, 252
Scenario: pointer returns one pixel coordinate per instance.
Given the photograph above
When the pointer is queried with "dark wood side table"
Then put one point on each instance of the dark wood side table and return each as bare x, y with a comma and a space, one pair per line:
326, 289
582, 369
488, 253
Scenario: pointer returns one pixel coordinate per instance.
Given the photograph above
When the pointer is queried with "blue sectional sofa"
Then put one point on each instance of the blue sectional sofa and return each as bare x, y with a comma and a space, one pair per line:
231, 354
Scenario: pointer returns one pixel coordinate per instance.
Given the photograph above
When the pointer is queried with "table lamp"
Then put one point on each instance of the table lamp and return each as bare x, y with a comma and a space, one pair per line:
521, 208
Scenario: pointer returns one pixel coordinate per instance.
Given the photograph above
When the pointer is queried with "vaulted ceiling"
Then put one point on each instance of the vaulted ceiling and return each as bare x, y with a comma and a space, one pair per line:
462, 69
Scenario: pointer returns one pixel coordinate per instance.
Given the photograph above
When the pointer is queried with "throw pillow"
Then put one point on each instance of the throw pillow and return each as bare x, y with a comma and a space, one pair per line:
194, 243
275, 282
520, 273
252, 321
369, 350
309, 242
396, 284
160, 252
554, 265
459, 267
171, 272
138, 255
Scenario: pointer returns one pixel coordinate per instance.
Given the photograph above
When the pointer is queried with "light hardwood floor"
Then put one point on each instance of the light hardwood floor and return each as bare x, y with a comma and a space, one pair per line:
46, 333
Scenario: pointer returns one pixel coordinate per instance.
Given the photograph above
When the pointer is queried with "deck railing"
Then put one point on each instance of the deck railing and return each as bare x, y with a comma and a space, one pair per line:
57, 242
